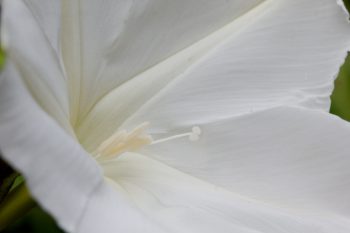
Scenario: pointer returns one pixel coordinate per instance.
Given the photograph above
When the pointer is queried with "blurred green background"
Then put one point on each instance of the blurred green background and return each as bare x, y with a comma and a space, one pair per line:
341, 95
37, 221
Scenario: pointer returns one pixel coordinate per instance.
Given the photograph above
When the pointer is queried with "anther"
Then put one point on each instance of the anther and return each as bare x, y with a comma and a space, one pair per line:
123, 141
192, 136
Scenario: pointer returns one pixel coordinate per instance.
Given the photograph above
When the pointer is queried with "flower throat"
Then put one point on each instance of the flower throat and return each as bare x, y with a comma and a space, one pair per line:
123, 141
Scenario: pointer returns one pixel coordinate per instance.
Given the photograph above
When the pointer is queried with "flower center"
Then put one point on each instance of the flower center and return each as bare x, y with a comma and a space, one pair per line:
123, 141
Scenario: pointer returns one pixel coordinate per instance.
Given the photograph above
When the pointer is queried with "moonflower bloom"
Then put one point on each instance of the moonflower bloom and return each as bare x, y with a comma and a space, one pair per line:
178, 116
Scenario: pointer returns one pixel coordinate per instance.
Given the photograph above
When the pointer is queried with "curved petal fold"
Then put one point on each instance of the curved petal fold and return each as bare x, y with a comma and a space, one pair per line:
29, 44
107, 44
60, 174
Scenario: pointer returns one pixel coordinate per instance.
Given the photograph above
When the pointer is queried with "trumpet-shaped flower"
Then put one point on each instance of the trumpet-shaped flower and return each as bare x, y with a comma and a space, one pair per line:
178, 116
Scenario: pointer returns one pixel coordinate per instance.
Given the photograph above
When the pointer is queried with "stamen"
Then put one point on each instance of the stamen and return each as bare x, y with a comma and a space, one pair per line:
122, 141
192, 136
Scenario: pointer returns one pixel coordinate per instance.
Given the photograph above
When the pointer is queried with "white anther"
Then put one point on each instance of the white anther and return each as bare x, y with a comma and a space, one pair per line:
196, 130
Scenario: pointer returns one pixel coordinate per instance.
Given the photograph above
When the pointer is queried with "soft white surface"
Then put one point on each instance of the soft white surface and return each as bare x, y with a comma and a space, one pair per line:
294, 158
110, 211
178, 64
289, 55
103, 44
122, 38
60, 174
181, 203
274, 53
283, 170
279, 53
34, 56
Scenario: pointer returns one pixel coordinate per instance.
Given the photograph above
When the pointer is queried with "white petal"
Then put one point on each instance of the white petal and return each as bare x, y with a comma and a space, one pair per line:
110, 210
181, 203
107, 44
60, 174
47, 15
280, 53
289, 56
30, 46
290, 157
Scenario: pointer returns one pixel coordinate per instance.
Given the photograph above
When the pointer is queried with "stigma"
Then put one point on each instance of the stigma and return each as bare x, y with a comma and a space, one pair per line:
123, 141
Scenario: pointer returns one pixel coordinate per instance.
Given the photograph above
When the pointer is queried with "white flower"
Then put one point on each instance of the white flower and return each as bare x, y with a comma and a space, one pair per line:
252, 77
